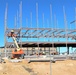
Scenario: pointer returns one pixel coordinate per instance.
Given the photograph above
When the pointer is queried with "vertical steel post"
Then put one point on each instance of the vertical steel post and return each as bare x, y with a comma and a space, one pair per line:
66, 27
55, 22
15, 22
52, 40
31, 24
37, 25
17, 19
21, 24
51, 14
43, 25
75, 18
5, 25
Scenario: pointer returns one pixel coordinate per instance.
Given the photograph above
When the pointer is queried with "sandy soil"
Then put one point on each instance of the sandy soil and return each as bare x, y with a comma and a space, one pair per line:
67, 67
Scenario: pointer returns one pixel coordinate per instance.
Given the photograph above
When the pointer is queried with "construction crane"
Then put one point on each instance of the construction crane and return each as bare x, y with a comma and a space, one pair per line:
17, 52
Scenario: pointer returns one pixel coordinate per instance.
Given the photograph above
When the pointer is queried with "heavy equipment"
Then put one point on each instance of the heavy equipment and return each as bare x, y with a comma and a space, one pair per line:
17, 52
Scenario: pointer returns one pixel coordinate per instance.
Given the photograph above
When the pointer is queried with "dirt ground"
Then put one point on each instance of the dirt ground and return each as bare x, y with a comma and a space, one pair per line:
67, 67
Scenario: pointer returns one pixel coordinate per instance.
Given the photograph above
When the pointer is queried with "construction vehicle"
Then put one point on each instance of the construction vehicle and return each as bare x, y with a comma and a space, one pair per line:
17, 52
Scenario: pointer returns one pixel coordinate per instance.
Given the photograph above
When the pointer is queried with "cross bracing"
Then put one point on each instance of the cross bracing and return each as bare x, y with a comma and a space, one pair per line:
43, 33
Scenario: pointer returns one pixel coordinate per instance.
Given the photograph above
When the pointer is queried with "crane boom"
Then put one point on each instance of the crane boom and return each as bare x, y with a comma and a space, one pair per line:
14, 39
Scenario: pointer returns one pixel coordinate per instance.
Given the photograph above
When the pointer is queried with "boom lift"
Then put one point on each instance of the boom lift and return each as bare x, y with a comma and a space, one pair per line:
16, 53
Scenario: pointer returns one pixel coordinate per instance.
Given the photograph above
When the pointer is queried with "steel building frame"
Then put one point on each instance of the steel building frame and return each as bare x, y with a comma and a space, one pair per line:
40, 35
